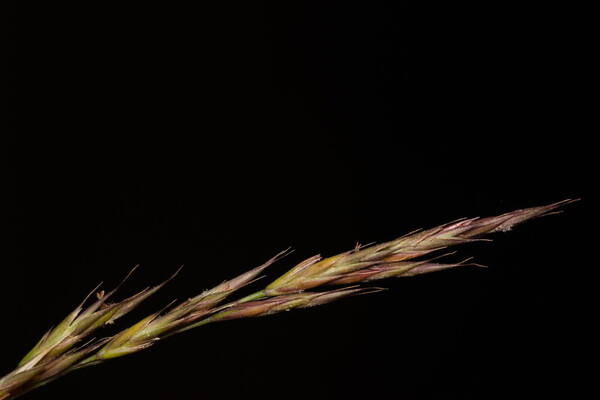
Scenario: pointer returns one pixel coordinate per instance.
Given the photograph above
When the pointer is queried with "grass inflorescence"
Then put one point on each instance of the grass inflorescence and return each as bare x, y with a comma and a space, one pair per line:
68, 346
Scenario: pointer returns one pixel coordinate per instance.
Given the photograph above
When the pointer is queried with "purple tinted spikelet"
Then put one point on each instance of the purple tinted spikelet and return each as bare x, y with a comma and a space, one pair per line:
150, 329
53, 354
392, 258
273, 305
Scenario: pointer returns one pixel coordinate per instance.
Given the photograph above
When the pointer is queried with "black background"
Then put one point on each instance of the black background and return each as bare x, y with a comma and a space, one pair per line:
216, 136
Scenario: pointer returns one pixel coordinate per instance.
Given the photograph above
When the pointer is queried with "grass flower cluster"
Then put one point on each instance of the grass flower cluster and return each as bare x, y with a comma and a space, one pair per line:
67, 346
